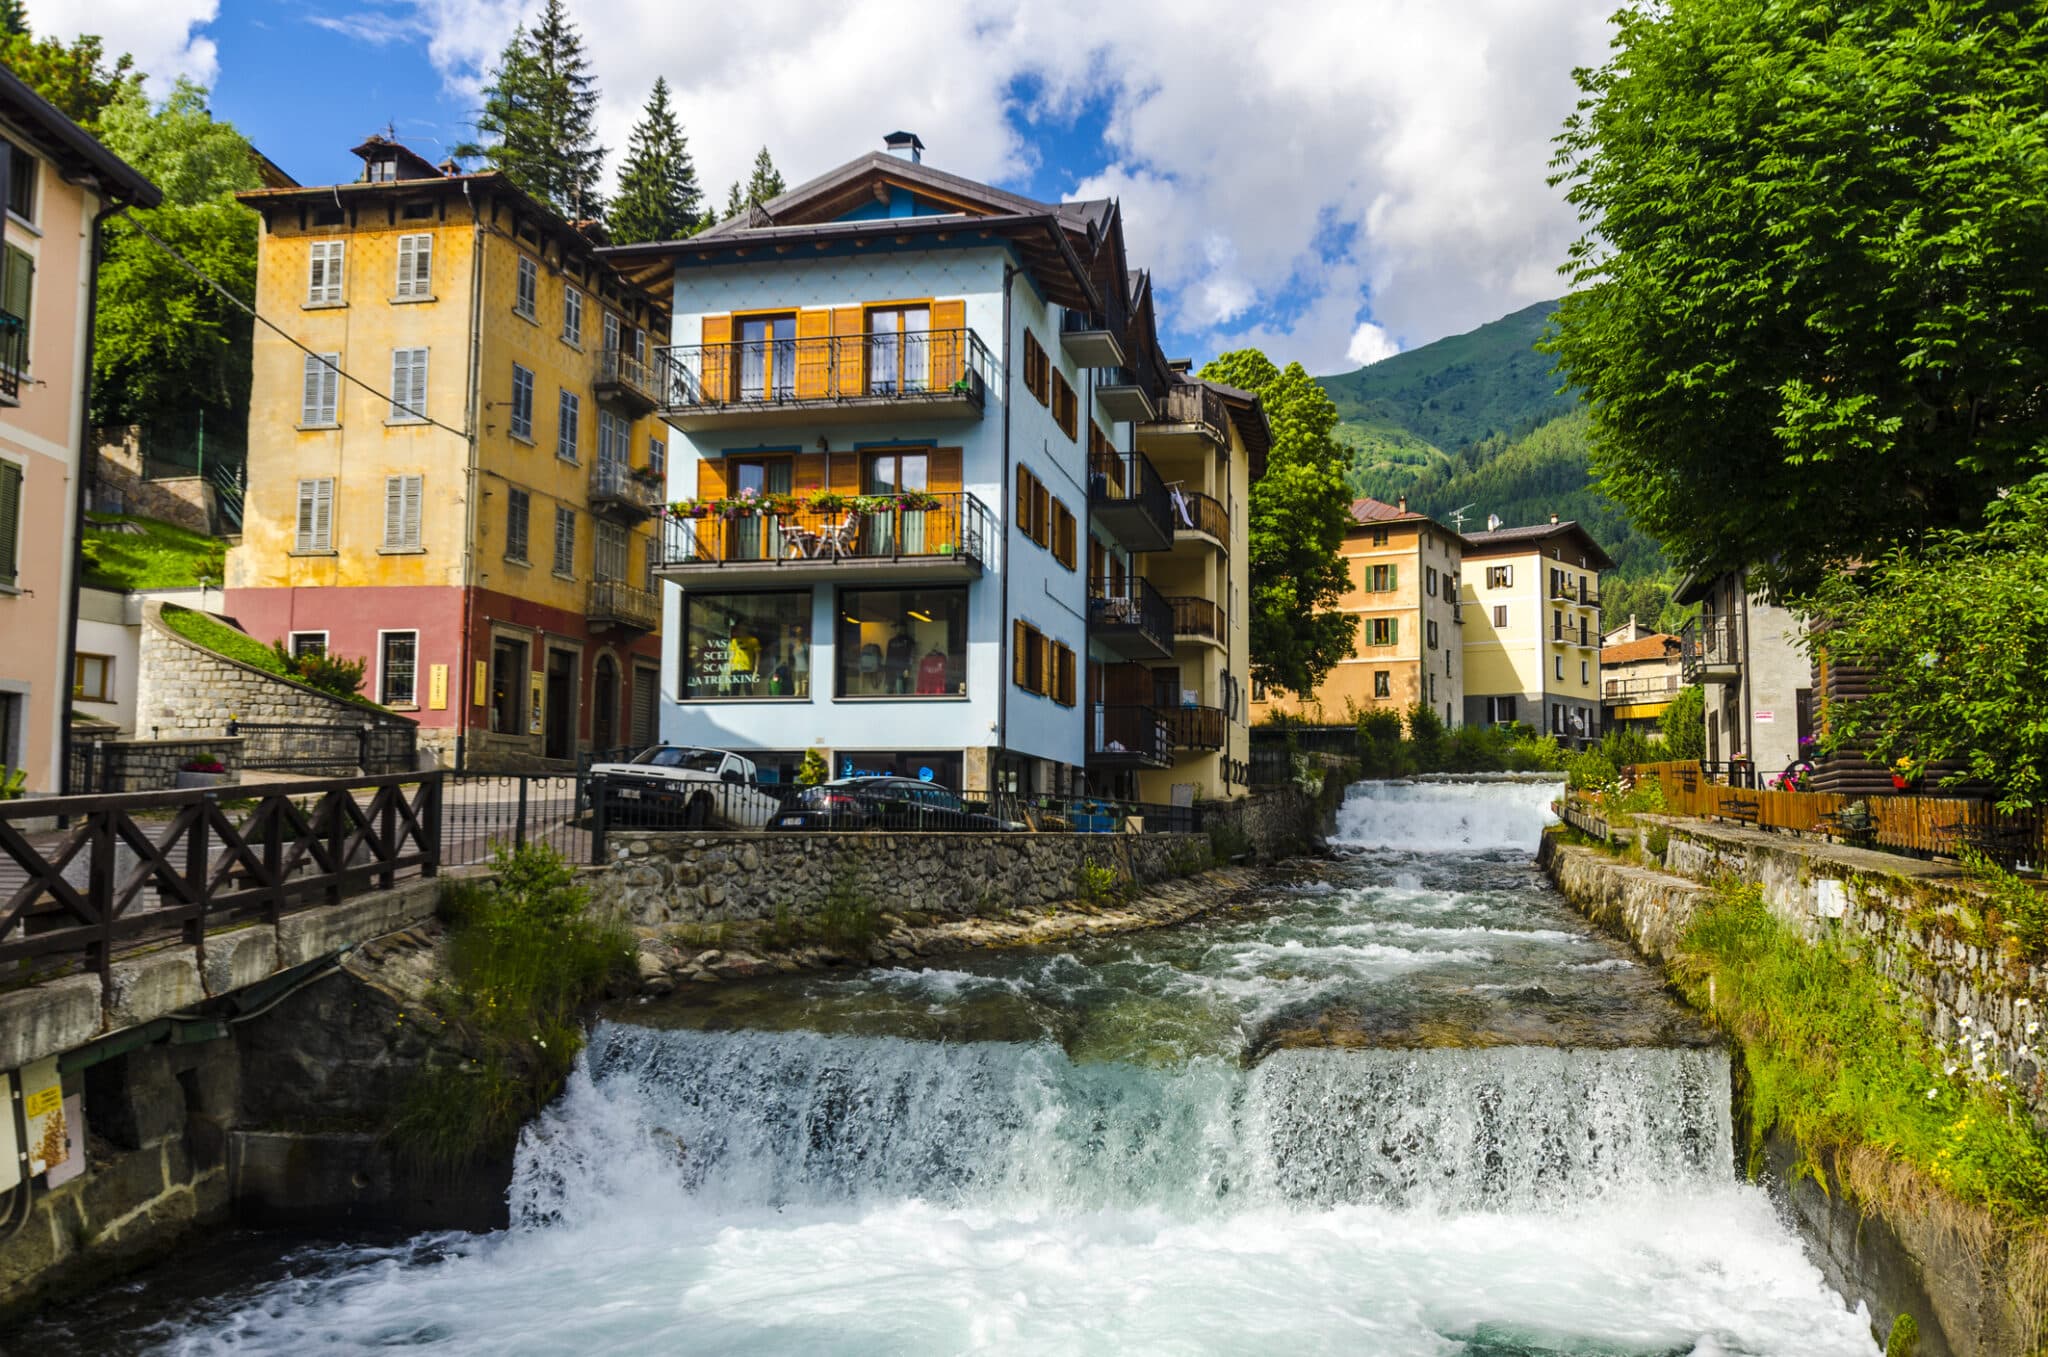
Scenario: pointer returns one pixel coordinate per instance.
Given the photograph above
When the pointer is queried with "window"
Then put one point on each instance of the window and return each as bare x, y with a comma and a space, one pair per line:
1037, 369
1429, 633
1382, 683
899, 349
609, 560
1034, 507
614, 440
611, 332
415, 266
657, 456
569, 414
408, 386
639, 345
518, 505
10, 526
653, 581
1042, 665
883, 473
740, 646
572, 316
522, 403
17, 297
902, 643
316, 516
1065, 532
767, 357
528, 300
1560, 665
305, 643
92, 677
324, 272
320, 403
23, 170
1500, 711
1500, 577
565, 541
1065, 409
760, 475
1500, 615
1379, 537
402, 513
397, 668
1382, 631
1382, 579
1584, 676
1429, 581
1432, 687
508, 686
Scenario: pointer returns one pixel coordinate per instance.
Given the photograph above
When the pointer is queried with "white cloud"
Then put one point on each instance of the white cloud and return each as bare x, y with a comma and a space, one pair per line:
161, 34
1370, 343
1375, 163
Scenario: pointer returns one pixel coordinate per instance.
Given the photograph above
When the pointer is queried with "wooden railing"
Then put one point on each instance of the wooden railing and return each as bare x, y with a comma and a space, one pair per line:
1944, 825
152, 866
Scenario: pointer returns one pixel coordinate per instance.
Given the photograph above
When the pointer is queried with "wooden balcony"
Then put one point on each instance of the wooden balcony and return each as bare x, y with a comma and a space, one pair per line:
626, 380
757, 384
1199, 518
1191, 416
1199, 620
1195, 727
936, 538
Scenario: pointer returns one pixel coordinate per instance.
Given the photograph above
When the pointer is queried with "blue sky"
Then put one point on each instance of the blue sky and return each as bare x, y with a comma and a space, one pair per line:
1333, 183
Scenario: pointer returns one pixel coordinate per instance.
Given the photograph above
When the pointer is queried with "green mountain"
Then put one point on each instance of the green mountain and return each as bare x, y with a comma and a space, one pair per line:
1475, 422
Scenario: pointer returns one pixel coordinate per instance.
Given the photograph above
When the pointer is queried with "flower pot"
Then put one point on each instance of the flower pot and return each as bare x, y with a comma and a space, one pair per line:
186, 779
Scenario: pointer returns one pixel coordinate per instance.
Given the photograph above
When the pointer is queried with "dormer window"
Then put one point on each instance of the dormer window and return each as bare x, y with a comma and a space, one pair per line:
383, 171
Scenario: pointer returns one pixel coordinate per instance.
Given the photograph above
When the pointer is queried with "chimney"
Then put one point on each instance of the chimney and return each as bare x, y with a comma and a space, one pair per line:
1553, 519
906, 146
1404, 504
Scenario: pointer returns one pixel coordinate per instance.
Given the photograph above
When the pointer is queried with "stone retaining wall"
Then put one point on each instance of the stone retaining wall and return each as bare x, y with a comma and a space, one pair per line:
125, 765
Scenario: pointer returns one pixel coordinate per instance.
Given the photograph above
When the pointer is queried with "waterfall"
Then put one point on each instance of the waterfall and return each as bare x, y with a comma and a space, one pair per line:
1464, 815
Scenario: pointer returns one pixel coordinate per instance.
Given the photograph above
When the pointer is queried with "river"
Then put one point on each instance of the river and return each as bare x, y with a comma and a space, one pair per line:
1403, 1101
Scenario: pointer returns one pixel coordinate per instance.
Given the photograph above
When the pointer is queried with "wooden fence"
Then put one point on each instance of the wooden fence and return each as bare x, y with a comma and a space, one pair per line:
1945, 825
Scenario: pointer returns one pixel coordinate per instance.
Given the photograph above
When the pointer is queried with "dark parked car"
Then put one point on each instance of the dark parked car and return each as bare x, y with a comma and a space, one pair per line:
881, 803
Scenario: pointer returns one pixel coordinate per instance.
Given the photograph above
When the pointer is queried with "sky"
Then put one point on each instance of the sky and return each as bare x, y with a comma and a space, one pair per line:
1333, 181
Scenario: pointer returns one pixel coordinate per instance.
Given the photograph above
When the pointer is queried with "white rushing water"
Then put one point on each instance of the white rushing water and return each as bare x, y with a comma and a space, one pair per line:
858, 1191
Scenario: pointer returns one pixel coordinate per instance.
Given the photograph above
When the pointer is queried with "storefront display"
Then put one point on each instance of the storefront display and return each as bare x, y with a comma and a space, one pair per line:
902, 643
941, 767
746, 646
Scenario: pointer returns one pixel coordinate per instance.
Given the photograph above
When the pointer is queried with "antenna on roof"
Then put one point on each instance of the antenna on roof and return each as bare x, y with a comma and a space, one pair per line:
1493, 522
1457, 516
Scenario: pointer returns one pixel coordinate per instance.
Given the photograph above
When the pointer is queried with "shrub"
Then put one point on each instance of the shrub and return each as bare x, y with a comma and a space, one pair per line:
1426, 734
1379, 743
1659, 842
1097, 882
1684, 723
1227, 841
1587, 770
847, 918
1624, 747
812, 770
334, 674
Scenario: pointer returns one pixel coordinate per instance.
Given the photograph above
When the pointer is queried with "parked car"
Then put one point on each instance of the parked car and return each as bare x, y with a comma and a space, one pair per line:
683, 787
854, 803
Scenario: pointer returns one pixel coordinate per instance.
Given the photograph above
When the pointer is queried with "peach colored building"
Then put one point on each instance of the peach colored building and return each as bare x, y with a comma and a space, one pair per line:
60, 183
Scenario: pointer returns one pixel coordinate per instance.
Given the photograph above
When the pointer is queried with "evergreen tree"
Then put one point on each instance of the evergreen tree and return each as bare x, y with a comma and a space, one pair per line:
13, 19
540, 115
763, 184
658, 198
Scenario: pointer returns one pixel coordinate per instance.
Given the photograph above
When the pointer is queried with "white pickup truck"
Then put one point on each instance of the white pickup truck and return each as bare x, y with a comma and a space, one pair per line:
679, 787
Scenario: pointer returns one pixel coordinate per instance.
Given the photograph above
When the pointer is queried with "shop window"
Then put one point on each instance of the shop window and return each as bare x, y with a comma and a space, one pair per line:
902, 643
940, 768
509, 683
746, 646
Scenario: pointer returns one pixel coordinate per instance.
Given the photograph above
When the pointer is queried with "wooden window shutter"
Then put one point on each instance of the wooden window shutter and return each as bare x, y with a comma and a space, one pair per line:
1018, 635
848, 349
813, 354
948, 343
1022, 511
10, 523
1393, 631
1044, 664
943, 471
1041, 513
717, 364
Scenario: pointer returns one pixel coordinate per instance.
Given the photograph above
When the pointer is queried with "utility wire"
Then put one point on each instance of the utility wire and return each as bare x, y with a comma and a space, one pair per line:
272, 325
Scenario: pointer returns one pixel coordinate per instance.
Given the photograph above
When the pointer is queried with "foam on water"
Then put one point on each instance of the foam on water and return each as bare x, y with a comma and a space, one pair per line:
1446, 816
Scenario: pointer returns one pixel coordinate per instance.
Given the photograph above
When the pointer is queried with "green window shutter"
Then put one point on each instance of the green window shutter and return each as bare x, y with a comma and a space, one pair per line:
1393, 578
10, 522
1393, 628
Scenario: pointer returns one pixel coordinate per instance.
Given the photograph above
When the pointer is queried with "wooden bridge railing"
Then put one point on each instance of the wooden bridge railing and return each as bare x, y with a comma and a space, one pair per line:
171, 865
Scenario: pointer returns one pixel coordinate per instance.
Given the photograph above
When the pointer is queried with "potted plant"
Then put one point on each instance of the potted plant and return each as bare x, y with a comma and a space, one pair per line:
828, 502
203, 771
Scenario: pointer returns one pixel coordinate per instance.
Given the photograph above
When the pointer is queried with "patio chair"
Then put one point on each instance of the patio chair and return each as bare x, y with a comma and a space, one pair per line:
838, 539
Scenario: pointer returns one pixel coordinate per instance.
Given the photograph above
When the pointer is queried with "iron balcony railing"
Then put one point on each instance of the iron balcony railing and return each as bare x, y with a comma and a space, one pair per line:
1131, 604
1708, 643
614, 602
1649, 686
950, 526
924, 366
1195, 727
13, 354
1197, 617
1193, 511
1131, 734
614, 485
1125, 491
1195, 404
621, 374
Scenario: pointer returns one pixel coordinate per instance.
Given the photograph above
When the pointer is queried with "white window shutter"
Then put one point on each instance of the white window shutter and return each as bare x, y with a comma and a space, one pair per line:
323, 515
413, 485
419, 382
304, 540
394, 512
309, 400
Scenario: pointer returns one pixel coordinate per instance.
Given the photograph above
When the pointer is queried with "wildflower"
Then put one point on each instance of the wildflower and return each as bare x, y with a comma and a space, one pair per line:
1930, 1094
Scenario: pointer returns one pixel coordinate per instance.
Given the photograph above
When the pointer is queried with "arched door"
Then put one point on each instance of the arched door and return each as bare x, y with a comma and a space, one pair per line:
604, 712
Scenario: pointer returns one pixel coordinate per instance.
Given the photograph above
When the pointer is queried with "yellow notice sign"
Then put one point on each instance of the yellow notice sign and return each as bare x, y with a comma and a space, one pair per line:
437, 687
480, 685
43, 1101
536, 722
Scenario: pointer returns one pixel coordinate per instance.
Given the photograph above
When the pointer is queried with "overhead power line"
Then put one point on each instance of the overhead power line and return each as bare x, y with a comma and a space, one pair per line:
279, 330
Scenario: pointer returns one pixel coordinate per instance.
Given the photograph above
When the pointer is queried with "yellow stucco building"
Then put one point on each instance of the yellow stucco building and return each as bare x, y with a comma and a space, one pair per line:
455, 469
1532, 629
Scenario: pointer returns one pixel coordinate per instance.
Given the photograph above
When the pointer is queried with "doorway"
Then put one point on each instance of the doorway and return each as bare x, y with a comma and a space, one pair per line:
604, 706
559, 740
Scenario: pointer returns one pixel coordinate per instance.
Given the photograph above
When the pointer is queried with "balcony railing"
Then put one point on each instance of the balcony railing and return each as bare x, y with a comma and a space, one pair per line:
1126, 496
623, 492
1645, 688
1091, 339
1197, 618
751, 381
1121, 397
616, 603
953, 528
1130, 618
1129, 736
1192, 405
1196, 512
1566, 588
13, 354
1195, 727
1709, 646
622, 377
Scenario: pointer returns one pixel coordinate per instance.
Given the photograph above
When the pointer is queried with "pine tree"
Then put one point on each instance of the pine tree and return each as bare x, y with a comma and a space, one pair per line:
658, 198
13, 18
540, 116
763, 184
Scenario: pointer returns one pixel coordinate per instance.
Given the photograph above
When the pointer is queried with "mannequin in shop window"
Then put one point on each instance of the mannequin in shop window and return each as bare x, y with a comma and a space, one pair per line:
744, 663
931, 673
902, 650
870, 668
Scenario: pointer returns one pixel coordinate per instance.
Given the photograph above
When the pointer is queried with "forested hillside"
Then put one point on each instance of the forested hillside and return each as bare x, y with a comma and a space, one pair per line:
1475, 422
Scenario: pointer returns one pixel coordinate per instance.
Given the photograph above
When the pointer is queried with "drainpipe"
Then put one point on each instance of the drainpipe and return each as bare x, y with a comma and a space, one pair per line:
460, 697
1009, 472
65, 676
1746, 657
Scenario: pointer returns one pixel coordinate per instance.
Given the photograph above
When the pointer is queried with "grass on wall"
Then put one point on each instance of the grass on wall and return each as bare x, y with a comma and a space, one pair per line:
161, 556
213, 634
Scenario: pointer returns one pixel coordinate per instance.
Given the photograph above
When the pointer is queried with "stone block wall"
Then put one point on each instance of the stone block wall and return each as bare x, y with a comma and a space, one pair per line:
1277, 822
119, 486
129, 765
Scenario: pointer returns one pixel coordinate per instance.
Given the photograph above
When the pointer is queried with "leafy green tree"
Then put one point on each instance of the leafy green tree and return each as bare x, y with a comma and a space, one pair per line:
77, 77
658, 197
1812, 306
1684, 723
763, 184
165, 341
1298, 515
539, 118
1954, 634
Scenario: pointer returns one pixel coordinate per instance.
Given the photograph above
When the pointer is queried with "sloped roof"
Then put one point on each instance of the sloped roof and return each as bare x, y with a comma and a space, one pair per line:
1502, 541
77, 150
1658, 646
1370, 510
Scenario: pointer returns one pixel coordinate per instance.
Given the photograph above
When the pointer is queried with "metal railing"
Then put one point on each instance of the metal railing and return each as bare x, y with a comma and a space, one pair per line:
1656, 685
335, 750
1198, 617
1195, 727
616, 602
13, 354
1194, 403
627, 375
1194, 511
1130, 732
1121, 482
617, 485
1708, 642
957, 527
156, 866
919, 366
482, 812
1134, 604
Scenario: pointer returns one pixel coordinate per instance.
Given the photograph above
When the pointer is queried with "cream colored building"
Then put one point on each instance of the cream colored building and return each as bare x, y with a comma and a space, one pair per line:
60, 182
1532, 629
